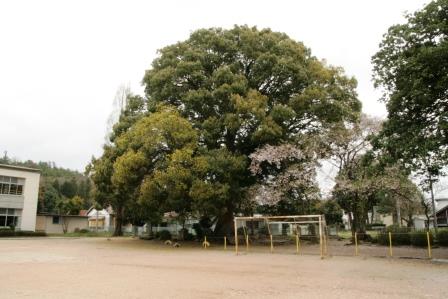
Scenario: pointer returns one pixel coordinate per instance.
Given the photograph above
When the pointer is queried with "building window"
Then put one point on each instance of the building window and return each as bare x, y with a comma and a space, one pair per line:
8, 217
11, 185
55, 219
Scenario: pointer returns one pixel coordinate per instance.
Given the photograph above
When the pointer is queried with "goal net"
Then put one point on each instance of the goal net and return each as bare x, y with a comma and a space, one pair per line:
273, 231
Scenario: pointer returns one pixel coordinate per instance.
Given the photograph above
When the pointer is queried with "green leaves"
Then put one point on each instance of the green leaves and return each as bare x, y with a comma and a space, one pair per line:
412, 66
211, 102
252, 85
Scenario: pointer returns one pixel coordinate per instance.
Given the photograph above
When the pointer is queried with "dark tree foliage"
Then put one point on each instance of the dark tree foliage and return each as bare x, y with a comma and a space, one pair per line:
412, 68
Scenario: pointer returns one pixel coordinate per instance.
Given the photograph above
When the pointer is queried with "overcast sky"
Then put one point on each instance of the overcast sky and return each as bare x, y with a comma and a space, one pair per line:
61, 62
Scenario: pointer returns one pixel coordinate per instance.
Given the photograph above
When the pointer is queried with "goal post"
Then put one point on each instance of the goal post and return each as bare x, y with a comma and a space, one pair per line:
286, 230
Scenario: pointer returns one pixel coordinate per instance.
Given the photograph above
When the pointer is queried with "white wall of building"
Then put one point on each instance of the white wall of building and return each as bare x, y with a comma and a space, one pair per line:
73, 222
101, 214
30, 194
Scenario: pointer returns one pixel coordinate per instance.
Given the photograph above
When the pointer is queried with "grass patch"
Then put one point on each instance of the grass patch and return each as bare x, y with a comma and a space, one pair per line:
83, 234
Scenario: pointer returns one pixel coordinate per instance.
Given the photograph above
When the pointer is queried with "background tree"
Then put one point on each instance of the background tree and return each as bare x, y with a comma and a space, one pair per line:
411, 67
69, 206
101, 170
69, 188
347, 143
293, 189
136, 153
332, 211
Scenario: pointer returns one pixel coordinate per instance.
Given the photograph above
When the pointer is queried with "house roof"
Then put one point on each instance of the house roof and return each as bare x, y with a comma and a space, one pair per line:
109, 210
441, 204
442, 210
13, 167
55, 214
83, 212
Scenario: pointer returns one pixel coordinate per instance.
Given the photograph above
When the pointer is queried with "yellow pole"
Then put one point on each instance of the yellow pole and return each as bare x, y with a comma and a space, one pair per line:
325, 241
272, 245
356, 243
297, 243
225, 243
320, 238
247, 242
390, 244
236, 237
429, 245
205, 242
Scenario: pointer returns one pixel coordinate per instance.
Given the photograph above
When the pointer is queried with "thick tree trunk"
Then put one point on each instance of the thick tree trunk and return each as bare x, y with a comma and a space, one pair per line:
398, 207
224, 225
350, 223
118, 231
410, 221
149, 227
359, 222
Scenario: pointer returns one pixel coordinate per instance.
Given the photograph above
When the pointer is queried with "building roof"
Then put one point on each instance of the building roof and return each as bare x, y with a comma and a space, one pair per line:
441, 204
442, 210
55, 214
13, 167
83, 212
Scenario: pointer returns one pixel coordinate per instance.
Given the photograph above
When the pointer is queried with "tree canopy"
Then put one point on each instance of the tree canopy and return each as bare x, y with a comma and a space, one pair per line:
411, 67
215, 106
245, 88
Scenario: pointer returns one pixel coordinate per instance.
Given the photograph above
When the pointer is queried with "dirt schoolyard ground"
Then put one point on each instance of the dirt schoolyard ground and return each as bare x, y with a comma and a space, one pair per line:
131, 268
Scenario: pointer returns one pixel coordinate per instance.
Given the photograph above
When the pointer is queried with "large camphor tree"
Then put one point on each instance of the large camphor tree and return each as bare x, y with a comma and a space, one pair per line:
412, 68
244, 89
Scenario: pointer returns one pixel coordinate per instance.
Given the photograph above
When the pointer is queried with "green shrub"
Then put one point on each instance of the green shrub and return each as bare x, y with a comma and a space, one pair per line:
383, 238
442, 237
263, 231
198, 231
188, 237
21, 233
242, 231
84, 231
419, 238
7, 233
400, 235
164, 235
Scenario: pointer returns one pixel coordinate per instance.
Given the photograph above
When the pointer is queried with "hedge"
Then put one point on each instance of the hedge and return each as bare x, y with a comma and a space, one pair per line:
420, 239
164, 235
400, 236
21, 233
442, 237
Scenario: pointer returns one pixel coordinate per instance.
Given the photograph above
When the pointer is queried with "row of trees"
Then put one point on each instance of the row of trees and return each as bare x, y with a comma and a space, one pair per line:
237, 121
62, 191
52, 192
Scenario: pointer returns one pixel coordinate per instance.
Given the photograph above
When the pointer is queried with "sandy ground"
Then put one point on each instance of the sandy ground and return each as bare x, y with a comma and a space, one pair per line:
130, 268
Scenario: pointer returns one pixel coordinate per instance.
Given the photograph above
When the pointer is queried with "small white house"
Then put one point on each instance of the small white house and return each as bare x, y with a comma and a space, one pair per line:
19, 190
104, 220
101, 220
